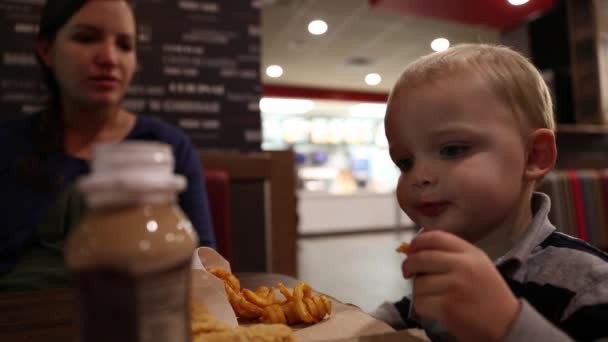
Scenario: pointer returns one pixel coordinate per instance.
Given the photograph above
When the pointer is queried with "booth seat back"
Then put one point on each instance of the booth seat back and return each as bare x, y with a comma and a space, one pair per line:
579, 203
218, 191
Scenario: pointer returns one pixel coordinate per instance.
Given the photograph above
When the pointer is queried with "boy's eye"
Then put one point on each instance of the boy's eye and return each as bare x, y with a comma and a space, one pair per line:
405, 164
453, 151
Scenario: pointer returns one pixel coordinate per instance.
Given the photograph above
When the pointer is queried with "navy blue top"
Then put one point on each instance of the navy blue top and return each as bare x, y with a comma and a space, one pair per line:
22, 207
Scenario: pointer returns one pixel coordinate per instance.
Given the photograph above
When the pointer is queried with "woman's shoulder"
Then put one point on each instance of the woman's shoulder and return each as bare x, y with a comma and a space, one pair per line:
18, 135
17, 139
150, 128
18, 128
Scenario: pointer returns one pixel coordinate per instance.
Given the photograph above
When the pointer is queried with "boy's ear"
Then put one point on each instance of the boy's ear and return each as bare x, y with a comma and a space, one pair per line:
43, 51
541, 154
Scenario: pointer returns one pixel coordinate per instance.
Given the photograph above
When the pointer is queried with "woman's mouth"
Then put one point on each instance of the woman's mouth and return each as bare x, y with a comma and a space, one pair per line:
432, 209
107, 82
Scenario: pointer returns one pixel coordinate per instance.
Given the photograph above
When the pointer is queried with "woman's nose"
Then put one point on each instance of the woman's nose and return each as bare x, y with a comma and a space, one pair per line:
106, 54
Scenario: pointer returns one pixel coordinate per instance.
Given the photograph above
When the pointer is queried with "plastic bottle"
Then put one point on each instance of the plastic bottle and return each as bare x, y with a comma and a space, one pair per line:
130, 256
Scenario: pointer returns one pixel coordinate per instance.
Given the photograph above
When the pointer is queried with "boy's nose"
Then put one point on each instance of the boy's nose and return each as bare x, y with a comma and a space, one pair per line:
423, 176
423, 182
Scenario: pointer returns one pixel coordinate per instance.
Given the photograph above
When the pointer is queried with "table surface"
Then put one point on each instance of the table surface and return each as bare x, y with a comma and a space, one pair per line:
49, 315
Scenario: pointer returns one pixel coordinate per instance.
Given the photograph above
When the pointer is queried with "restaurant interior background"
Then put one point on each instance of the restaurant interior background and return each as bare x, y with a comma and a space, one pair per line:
328, 106
309, 187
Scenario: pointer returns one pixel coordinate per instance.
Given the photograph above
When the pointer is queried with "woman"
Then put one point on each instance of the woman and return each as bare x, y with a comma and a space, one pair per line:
87, 50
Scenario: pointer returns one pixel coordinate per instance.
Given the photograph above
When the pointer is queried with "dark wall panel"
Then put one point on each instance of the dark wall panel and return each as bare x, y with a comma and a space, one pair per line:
247, 202
199, 67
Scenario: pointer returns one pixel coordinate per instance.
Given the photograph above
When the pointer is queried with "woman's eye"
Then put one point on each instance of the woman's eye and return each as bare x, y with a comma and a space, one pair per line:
453, 151
84, 37
125, 44
405, 164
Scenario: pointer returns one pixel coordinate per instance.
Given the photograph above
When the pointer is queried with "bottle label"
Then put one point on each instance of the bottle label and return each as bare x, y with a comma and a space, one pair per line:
163, 307
116, 306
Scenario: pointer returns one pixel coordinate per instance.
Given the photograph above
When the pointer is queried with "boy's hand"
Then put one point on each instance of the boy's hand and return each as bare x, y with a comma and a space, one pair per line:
459, 286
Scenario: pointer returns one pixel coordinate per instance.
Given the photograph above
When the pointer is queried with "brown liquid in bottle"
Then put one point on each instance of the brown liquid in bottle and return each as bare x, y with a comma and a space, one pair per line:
130, 259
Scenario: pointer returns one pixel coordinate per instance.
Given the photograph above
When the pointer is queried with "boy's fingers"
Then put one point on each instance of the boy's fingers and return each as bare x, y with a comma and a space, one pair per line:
437, 239
429, 307
431, 285
429, 262
403, 270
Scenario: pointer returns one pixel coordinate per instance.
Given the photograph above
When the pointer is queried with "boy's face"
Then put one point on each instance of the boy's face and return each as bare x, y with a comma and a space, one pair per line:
461, 153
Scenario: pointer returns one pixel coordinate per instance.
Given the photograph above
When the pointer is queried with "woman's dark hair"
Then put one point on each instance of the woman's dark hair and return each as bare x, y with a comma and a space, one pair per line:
55, 14
48, 135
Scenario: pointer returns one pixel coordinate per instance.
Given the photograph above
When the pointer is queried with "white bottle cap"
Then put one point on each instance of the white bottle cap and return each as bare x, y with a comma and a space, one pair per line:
131, 172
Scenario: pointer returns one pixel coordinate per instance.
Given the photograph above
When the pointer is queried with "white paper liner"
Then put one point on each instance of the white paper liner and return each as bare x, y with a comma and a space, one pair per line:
209, 290
346, 321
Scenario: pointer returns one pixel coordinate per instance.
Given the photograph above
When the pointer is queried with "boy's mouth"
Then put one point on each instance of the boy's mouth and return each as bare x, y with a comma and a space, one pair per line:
432, 209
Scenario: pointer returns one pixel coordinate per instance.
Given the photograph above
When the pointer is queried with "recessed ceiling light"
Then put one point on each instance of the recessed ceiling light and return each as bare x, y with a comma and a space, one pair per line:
440, 44
518, 2
317, 27
274, 71
373, 79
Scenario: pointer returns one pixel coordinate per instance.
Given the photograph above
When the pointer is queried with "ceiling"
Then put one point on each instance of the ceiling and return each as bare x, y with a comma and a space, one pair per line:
361, 39
499, 14
386, 40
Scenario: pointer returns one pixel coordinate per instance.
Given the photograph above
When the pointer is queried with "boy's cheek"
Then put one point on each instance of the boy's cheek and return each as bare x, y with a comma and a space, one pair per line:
402, 197
407, 209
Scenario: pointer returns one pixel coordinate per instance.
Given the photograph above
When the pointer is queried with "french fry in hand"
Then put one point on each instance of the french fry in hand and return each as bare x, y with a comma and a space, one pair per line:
403, 248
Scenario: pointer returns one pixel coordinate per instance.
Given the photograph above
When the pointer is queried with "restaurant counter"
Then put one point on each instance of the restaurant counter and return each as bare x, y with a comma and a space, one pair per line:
363, 210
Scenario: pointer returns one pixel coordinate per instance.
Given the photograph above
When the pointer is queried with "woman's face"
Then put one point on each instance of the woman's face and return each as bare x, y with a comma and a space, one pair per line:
93, 55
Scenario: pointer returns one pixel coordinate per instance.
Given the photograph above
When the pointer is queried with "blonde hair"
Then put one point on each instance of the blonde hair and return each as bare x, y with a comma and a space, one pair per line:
509, 74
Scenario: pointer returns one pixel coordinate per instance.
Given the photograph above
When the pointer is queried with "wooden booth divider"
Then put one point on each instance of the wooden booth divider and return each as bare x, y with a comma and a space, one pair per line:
262, 207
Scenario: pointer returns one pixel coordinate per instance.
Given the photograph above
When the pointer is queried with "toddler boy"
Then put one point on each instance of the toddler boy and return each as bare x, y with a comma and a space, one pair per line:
472, 131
